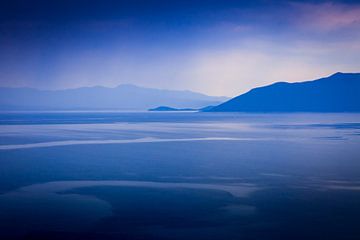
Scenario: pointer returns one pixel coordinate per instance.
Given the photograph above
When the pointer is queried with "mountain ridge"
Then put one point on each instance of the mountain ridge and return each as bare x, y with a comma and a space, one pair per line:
335, 93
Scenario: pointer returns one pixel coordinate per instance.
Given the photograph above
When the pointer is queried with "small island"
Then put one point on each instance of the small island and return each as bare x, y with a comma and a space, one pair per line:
170, 109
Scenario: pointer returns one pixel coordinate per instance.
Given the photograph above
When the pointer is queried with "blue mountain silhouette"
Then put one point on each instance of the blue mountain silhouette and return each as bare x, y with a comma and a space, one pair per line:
337, 93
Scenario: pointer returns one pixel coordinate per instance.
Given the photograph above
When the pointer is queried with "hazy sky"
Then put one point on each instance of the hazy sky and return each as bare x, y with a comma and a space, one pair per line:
215, 47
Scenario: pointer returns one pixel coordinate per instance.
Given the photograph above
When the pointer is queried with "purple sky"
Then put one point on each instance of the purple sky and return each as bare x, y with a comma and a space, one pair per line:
214, 47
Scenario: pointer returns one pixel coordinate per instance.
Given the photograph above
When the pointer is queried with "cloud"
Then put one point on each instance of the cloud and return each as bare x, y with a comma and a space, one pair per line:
328, 16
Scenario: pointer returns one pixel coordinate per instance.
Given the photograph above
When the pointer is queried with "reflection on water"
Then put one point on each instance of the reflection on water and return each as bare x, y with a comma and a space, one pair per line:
22, 212
22, 204
237, 190
141, 140
179, 176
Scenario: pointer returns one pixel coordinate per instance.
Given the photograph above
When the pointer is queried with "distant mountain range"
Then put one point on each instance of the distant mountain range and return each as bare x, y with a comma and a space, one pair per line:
337, 93
123, 97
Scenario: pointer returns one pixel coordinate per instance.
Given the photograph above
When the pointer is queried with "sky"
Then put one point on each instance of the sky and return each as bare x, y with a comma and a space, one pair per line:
216, 47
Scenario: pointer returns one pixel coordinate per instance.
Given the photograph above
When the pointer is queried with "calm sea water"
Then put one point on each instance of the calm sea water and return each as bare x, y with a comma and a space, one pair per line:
180, 175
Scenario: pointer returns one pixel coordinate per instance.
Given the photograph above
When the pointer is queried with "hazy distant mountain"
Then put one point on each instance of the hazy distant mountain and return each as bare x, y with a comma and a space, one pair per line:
123, 97
337, 93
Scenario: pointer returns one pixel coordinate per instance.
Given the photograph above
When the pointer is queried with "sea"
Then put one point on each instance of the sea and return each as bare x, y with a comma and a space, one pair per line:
179, 175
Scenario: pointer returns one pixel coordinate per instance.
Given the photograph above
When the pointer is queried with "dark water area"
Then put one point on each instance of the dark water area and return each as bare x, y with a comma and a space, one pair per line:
179, 176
